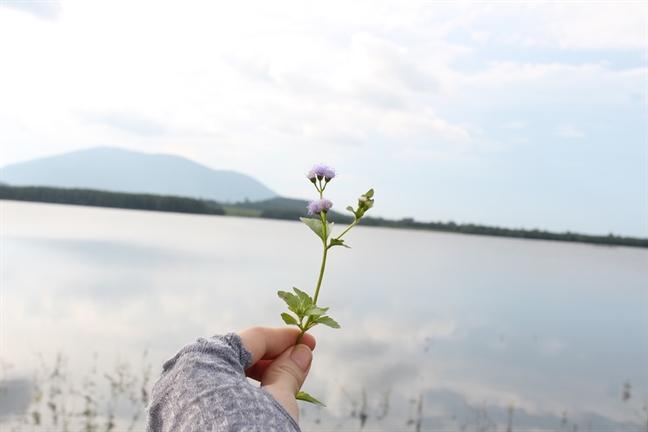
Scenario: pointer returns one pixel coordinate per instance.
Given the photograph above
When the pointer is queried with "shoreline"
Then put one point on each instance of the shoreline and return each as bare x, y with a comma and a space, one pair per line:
282, 209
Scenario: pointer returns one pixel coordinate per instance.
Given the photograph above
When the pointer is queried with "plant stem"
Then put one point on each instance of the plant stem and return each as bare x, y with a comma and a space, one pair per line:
321, 275
320, 189
348, 228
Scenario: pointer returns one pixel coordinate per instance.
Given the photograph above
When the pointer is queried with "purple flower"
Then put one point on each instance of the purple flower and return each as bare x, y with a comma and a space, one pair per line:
318, 206
321, 171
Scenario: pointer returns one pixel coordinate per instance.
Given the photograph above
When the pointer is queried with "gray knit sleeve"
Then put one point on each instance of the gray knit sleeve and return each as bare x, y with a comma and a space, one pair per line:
204, 388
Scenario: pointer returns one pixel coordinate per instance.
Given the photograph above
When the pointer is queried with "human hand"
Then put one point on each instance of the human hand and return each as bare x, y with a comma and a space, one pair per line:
279, 364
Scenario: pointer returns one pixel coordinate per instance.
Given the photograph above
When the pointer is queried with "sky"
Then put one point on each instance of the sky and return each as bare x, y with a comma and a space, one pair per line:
513, 114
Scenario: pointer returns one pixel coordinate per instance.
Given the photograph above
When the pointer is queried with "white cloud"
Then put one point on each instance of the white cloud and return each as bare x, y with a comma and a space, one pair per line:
514, 83
481, 37
597, 26
247, 86
565, 25
132, 123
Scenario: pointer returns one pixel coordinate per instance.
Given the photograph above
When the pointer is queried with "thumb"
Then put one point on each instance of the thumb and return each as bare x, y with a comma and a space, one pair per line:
285, 375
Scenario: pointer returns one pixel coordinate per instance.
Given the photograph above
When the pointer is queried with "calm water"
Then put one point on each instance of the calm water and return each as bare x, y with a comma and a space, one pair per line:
466, 327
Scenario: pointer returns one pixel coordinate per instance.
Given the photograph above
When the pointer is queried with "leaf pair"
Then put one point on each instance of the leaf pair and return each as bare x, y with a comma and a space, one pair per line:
302, 305
299, 303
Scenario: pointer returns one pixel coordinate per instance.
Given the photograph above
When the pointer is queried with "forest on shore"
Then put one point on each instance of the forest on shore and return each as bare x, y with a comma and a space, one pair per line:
280, 208
96, 198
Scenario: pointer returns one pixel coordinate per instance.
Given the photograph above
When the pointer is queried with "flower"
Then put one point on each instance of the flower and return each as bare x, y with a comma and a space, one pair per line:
318, 206
321, 171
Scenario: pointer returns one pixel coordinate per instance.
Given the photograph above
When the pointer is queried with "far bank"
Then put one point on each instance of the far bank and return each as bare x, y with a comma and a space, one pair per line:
280, 208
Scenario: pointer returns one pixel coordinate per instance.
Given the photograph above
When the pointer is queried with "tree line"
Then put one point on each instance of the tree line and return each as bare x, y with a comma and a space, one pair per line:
285, 209
611, 240
96, 198
507, 232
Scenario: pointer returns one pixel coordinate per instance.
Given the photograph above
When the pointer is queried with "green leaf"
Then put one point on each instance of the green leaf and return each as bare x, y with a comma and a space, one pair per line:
370, 193
351, 209
328, 321
315, 225
289, 319
336, 242
291, 300
304, 299
315, 311
303, 396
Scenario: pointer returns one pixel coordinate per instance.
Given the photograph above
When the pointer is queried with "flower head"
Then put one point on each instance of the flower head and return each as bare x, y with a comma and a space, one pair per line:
321, 171
318, 206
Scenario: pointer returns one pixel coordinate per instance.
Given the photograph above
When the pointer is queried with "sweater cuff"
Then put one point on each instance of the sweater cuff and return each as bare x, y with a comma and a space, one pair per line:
236, 343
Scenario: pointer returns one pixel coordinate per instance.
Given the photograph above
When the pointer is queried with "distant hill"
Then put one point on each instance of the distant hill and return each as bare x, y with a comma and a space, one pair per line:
119, 170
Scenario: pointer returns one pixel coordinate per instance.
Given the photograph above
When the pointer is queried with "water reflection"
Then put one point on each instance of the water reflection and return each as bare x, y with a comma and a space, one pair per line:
459, 327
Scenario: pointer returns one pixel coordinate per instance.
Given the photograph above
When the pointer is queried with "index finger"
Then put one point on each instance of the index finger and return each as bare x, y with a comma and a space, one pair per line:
267, 343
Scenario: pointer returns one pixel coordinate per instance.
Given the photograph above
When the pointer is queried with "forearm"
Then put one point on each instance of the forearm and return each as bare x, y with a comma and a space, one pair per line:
204, 388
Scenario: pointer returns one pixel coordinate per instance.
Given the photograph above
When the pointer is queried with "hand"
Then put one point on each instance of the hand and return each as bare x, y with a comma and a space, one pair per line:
277, 363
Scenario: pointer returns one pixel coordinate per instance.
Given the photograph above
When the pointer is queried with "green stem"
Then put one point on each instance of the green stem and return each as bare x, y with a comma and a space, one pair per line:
321, 275
320, 189
348, 228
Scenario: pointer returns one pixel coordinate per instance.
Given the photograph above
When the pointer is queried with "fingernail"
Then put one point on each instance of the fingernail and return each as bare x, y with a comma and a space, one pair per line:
302, 355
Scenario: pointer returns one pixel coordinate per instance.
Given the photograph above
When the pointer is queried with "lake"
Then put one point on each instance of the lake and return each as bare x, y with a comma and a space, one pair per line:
439, 331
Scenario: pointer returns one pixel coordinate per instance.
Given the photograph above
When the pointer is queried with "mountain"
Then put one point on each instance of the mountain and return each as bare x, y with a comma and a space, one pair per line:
119, 170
